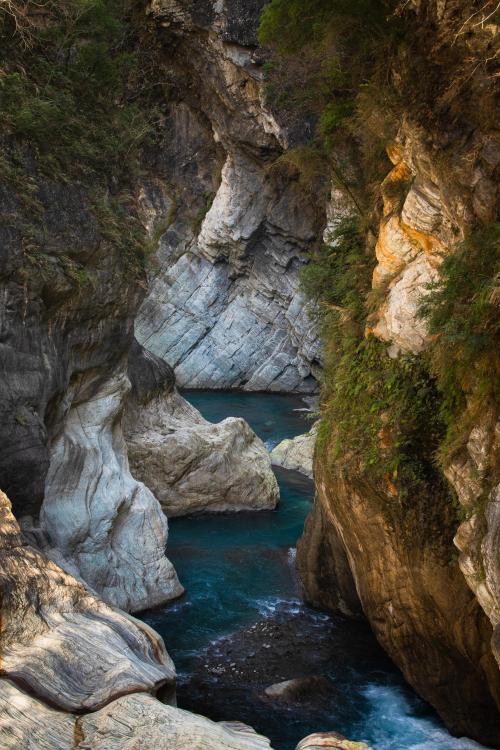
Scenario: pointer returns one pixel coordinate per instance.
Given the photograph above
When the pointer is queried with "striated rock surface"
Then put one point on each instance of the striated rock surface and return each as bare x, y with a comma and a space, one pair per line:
61, 642
94, 511
190, 464
296, 453
329, 739
133, 721
140, 720
224, 308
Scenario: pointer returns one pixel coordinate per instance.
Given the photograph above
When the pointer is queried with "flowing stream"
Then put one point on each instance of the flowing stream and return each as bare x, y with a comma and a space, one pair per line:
241, 626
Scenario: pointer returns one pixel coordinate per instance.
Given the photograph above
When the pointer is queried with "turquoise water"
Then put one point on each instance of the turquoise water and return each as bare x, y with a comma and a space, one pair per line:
238, 570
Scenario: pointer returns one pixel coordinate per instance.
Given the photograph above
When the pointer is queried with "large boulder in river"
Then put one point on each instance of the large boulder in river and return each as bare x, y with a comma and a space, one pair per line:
190, 464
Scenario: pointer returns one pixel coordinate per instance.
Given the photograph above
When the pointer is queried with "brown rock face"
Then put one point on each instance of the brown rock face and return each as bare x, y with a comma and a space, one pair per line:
424, 616
438, 619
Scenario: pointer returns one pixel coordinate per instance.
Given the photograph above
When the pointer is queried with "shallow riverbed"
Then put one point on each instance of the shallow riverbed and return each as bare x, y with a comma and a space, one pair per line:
241, 626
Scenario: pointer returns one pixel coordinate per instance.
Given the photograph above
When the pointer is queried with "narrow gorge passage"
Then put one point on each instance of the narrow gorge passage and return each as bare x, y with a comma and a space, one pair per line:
241, 626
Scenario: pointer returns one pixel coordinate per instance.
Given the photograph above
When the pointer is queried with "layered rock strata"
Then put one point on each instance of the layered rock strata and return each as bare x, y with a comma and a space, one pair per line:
224, 308
62, 643
190, 464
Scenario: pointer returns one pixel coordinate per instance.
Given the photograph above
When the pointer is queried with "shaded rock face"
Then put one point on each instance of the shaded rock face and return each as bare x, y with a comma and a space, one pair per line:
224, 308
190, 464
66, 320
53, 331
424, 616
418, 600
473, 474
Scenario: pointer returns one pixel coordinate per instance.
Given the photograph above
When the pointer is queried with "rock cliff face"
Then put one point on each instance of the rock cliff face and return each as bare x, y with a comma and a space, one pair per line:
191, 465
442, 632
66, 325
224, 307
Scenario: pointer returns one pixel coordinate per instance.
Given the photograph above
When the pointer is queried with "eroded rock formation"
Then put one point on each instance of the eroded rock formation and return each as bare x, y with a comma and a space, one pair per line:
76, 673
190, 464
224, 308
66, 325
296, 453
61, 642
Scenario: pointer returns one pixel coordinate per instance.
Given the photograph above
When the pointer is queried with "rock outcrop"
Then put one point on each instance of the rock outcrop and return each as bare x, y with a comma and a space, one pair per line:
190, 464
66, 318
329, 739
440, 631
296, 453
126, 722
224, 309
94, 511
76, 673
64, 644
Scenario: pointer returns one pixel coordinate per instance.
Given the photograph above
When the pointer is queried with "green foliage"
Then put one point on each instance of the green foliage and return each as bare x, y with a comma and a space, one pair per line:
325, 54
289, 25
462, 311
208, 199
380, 415
73, 96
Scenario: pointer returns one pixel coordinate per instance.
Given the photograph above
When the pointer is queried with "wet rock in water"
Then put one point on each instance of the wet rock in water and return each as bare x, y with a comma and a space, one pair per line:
294, 644
320, 740
299, 689
190, 464
297, 453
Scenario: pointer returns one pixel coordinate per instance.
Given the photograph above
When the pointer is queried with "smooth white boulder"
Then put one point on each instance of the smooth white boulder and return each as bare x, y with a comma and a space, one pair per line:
297, 453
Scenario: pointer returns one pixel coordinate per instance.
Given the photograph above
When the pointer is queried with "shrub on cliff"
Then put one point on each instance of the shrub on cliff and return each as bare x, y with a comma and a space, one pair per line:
73, 101
462, 311
380, 415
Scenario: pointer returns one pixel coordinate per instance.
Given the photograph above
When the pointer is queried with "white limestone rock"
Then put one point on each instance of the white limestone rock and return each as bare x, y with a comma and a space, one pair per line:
141, 722
99, 523
64, 644
297, 453
134, 722
195, 466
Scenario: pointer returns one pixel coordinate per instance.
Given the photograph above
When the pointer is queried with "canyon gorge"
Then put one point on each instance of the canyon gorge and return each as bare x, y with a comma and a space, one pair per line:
292, 208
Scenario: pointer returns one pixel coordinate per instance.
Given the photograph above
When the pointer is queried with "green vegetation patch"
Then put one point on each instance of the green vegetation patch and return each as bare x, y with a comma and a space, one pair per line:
75, 106
462, 312
381, 417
